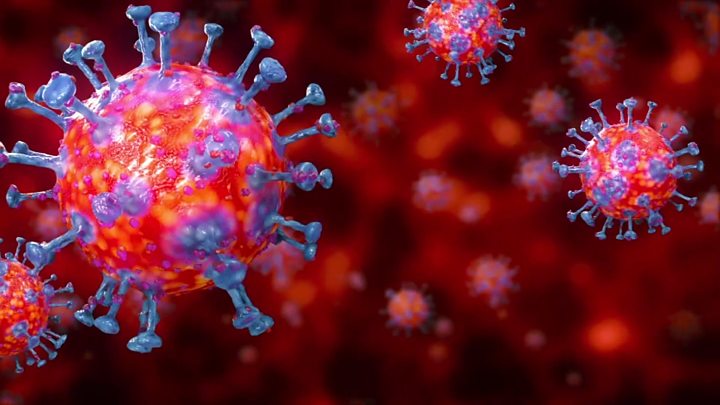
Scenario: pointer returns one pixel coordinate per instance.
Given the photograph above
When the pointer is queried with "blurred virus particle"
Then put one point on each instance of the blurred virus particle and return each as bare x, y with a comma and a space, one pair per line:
408, 309
629, 171
535, 339
188, 41
592, 55
69, 35
280, 260
536, 177
684, 326
463, 33
291, 312
9, 398
608, 335
492, 278
433, 192
48, 221
473, 207
710, 207
25, 303
374, 112
444, 327
706, 15
673, 120
173, 174
549, 108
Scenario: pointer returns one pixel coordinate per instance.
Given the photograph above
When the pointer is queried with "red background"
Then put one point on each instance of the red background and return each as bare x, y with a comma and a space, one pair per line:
342, 352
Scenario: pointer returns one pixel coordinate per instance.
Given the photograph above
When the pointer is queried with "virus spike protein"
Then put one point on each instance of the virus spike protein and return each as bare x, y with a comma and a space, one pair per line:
462, 33
175, 174
628, 171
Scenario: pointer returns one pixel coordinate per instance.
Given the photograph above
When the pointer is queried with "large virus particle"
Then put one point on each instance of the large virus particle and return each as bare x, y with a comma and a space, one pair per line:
493, 278
26, 301
173, 172
548, 108
629, 171
706, 16
463, 33
535, 176
592, 55
408, 309
374, 112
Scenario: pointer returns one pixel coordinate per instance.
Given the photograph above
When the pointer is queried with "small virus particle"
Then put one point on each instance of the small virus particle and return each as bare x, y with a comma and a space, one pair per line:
592, 55
281, 261
608, 335
493, 278
710, 207
685, 326
248, 354
628, 171
433, 192
473, 207
188, 40
706, 15
444, 327
408, 309
69, 35
292, 314
9, 398
548, 108
463, 33
536, 177
535, 339
48, 222
25, 303
374, 112
172, 174
671, 119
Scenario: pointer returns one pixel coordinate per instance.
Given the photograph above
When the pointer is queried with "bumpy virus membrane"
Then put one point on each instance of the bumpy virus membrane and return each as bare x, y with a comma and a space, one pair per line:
462, 33
26, 302
171, 175
629, 171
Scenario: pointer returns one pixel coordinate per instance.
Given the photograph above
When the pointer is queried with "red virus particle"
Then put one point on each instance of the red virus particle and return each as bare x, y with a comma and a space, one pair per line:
281, 261
463, 33
374, 112
685, 326
536, 177
188, 40
710, 207
629, 171
69, 35
670, 120
706, 16
26, 302
548, 108
433, 192
172, 174
592, 55
493, 278
408, 309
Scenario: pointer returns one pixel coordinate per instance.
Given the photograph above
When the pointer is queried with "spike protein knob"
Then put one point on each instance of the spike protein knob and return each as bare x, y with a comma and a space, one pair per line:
629, 171
174, 172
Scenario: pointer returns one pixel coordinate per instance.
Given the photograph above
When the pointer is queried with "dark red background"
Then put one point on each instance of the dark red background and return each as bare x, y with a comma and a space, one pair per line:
342, 352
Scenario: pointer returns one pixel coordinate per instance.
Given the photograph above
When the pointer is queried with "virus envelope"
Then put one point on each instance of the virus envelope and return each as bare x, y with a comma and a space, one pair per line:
706, 15
592, 55
629, 171
374, 112
536, 177
548, 108
173, 173
710, 207
408, 309
492, 278
25, 303
463, 33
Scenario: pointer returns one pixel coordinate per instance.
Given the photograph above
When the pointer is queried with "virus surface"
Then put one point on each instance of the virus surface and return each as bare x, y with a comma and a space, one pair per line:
408, 309
433, 192
706, 15
463, 33
548, 108
710, 207
592, 55
374, 112
629, 171
493, 278
173, 173
25, 303
536, 177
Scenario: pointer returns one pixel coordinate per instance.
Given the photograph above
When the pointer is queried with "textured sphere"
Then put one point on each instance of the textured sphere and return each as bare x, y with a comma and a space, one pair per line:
24, 309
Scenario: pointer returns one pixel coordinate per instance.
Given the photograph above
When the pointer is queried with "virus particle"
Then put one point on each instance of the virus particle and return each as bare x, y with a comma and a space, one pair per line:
671, 119
535, 339
548, 108
282, 261
173, 173
684, 326
592, 55
188, 40
536, 177
629, 171
706, 15
493, 278
25, 303
374, 112
408, 309
69, 35
433, 192
463, 33
710, 207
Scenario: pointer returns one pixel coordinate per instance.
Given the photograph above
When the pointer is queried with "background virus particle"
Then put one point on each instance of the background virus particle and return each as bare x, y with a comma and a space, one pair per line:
706, 16
536, 177
10, 398
592, 55
535, 339
188, 41
710, 207
492, 278
25, 303
608, 335
408, 309
549, 108
281, 261
463, 33
173, 174
684, 326
69, 35
629, 171
374, 112
433, 192
671, 119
